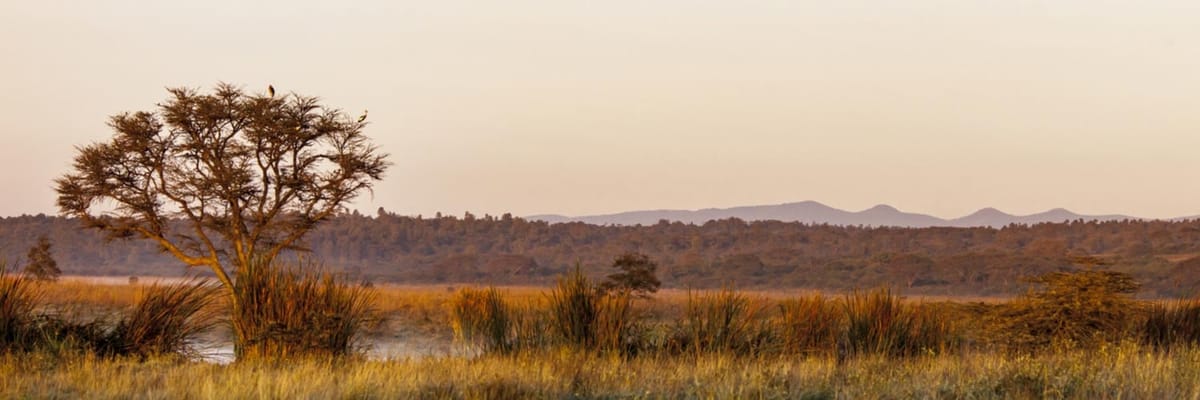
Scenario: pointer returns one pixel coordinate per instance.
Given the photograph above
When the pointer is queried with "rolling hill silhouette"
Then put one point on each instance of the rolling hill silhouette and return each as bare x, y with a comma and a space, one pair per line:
816, 213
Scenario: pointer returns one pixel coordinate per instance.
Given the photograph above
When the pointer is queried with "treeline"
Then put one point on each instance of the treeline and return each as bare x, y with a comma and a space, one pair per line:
1163, 256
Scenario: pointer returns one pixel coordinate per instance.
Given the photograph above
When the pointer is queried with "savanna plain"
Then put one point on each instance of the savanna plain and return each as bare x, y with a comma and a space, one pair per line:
1073, 335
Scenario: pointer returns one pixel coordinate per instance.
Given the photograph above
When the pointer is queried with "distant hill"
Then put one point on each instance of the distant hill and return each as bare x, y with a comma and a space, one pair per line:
816, 213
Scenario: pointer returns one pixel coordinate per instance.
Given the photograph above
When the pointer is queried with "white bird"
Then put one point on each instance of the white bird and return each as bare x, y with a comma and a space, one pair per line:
271, 90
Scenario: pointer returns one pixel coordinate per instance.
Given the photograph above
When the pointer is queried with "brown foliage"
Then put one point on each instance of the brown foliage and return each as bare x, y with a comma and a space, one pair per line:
220, 176
1083, 308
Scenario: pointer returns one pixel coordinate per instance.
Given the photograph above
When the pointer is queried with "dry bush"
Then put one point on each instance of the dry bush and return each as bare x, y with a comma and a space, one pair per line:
1070, 309
281, 313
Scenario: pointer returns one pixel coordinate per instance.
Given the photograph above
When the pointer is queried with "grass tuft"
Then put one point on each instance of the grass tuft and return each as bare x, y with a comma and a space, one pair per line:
280, 313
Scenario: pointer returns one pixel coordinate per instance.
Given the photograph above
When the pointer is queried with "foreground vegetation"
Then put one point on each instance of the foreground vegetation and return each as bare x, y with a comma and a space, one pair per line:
1075, 335
1124, 371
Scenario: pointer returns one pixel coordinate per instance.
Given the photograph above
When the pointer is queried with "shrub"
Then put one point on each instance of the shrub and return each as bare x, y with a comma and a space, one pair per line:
482, 318
280, 313
809, 324
1070, 309
1171, 325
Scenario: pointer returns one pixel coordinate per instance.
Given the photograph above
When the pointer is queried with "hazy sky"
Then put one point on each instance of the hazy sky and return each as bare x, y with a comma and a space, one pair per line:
555, 106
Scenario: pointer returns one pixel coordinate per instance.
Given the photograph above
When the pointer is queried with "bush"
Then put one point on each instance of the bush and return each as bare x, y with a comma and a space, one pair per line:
280, 313
1070, 309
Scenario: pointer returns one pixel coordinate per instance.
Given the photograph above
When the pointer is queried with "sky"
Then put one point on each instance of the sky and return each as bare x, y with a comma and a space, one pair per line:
576, 108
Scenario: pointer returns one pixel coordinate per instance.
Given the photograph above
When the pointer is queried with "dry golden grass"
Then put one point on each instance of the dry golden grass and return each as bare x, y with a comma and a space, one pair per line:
1125, 371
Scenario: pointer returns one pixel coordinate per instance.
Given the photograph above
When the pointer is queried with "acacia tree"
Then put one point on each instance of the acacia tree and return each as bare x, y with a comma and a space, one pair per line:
222, 179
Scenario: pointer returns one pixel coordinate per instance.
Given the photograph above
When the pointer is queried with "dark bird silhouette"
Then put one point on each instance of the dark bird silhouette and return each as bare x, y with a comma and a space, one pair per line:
363, 117
271, 90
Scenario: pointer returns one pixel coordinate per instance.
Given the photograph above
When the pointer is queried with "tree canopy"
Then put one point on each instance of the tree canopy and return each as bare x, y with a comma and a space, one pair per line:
247, 174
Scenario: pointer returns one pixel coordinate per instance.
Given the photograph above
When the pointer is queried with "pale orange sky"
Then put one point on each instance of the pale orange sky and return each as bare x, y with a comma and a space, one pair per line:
940, 107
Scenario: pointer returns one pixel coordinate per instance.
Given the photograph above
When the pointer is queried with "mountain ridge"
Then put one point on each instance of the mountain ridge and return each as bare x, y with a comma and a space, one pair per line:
814, 212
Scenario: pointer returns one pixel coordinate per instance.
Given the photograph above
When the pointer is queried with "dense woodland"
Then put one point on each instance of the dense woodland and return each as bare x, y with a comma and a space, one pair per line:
1163, 256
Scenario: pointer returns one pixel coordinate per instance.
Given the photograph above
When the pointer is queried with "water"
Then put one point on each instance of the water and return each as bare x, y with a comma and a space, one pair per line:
380, 349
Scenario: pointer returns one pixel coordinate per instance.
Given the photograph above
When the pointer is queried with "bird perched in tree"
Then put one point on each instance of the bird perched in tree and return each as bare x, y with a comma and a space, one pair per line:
271, 90
363, 117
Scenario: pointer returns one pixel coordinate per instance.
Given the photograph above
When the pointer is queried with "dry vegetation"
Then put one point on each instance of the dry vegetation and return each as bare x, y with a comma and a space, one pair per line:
575, 340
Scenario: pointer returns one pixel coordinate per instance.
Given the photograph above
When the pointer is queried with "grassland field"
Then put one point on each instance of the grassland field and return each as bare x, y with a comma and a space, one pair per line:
1125, 369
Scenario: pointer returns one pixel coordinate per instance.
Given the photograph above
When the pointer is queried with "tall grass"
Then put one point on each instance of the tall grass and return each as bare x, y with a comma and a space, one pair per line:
809, 325
725, 321
585, 317
481, 318
879, 323
163, 321
280, 313
19, 298
1122, 372
166, 320
1169, 326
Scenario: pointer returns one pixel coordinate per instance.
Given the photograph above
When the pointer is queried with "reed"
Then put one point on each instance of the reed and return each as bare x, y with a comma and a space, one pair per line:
19, 297
279, 313
1172, 325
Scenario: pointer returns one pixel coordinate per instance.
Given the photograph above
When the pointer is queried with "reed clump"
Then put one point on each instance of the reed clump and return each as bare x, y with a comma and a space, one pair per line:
19, 297
725, 321
880, 323
482, 319
1173, 325
585, 316
279, 313
809, 324
164, 320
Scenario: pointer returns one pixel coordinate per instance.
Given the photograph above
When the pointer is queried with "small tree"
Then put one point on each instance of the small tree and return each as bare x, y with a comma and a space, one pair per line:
41, 263
223, 178
637, 275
